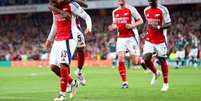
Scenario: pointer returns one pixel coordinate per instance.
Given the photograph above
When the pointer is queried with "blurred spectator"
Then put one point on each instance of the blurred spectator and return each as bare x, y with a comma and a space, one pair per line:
21, 2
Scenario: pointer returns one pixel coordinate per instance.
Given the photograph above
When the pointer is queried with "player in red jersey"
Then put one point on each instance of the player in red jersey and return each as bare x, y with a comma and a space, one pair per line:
80, 48
65, 42
125, 20
158, 21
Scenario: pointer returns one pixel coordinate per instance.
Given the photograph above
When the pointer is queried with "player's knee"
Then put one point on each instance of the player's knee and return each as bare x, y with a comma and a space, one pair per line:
121, 57
162, 59
147, 57
63, 65
80, 49
54, 68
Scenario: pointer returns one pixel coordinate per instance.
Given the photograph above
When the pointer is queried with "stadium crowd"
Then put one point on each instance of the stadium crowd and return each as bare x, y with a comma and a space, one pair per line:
21, 2
23, 35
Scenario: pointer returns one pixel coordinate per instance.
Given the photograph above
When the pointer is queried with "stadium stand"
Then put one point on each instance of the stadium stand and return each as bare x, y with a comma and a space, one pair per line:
23, 35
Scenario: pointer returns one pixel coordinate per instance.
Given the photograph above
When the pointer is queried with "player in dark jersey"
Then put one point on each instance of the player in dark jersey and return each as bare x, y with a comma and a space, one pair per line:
180, 45
193, 55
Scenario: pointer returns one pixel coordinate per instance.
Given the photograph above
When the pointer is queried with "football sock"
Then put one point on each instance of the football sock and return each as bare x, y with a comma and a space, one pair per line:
81, 59
164, 67
122, 70
64, 78
69, 77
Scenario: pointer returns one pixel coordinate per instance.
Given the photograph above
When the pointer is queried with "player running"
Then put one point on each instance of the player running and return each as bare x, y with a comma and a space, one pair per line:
158, 19
125, 20
65, 42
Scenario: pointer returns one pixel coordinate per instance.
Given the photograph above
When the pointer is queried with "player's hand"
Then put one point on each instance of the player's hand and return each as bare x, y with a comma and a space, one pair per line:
112, 27
65, 15
155, 27
87, 31
142, 35
48, 44
129, 26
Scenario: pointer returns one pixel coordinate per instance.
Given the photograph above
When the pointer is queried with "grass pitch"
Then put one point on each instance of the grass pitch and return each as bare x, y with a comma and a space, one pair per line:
103, 84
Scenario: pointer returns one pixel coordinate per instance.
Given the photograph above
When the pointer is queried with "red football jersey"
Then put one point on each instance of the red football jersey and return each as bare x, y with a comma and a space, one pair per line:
123, 16
156, 17
63, 26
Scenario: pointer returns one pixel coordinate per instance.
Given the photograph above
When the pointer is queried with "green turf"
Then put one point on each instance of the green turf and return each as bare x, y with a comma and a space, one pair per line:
103, 84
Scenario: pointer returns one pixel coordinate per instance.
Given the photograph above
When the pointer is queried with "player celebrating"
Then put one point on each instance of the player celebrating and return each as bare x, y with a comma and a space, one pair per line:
125, 19
80, 49
66, 42
158, 19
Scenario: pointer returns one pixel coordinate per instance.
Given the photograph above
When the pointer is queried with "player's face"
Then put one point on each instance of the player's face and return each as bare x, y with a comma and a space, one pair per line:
152, 3
121, 2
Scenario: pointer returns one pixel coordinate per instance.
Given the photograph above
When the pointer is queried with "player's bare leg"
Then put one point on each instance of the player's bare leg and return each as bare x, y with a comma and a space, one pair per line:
147, 58
81, 59
141, 62
122, 69
56, 70
164, 68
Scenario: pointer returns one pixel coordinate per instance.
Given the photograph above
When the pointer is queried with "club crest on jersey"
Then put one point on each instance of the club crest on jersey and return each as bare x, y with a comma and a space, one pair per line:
157, 15
65, 9
125, 14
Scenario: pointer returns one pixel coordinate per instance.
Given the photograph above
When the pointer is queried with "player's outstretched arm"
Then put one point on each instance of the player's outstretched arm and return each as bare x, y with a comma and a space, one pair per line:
77, 10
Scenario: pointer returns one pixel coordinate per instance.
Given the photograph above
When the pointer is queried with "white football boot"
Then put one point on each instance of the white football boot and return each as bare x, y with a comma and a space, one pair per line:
165, 87
155, 77
60, 97
74, 86
81, 78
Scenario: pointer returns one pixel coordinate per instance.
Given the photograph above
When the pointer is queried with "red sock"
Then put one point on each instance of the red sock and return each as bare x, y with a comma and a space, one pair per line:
151, 66
63, 79
69, 77
122, 70
80, 59
164, 67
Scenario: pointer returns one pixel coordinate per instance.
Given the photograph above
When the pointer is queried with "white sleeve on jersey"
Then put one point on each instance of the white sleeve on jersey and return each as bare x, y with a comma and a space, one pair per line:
77, 10
113, 17
53, 30
166, 15
135, 13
